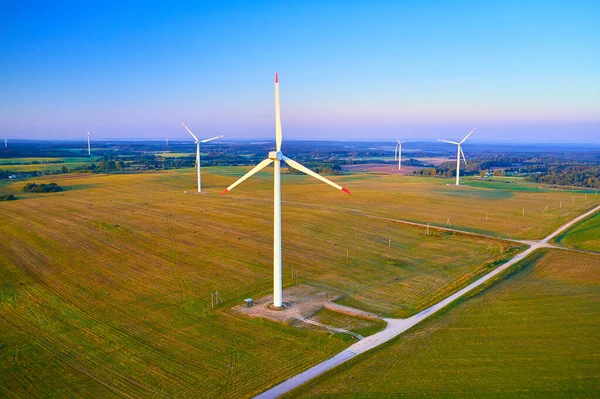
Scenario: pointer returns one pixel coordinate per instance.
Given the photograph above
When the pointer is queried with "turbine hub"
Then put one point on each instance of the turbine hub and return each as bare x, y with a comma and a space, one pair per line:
275, 155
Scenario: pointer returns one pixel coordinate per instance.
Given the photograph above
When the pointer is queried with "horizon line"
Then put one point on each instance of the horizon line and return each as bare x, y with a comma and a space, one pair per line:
121, 139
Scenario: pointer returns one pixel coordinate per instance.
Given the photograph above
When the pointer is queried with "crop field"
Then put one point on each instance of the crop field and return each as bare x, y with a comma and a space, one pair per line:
435, 200
105, 286
102, 296
535, 333
584, 236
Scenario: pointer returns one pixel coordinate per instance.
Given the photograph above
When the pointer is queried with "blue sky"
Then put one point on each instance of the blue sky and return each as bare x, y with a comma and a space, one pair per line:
523, 70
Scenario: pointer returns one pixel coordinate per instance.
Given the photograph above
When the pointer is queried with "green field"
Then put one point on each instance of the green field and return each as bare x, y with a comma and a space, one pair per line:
106, 286
584, 236
26, 165
41, 160
536, 333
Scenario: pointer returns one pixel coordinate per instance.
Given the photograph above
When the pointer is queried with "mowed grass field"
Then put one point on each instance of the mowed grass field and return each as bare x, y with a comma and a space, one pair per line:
434, 200
534, 334
584, 236
105, 287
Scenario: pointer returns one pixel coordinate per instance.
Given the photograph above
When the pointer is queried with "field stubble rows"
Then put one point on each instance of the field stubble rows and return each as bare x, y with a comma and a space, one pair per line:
108, 285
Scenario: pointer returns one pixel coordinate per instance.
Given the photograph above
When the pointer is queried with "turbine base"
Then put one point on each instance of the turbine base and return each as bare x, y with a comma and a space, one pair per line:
271, 306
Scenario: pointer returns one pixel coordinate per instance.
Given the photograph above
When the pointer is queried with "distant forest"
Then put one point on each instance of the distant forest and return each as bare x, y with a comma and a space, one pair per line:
577, 166
547, 170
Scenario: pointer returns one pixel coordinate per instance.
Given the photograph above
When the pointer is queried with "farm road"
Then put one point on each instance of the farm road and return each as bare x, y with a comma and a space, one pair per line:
396, 327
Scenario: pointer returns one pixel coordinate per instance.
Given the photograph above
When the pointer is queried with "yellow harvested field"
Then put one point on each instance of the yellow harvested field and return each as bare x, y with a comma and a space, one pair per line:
106, 285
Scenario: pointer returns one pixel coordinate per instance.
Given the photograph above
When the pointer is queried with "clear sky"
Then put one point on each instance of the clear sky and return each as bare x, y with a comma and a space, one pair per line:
522, 70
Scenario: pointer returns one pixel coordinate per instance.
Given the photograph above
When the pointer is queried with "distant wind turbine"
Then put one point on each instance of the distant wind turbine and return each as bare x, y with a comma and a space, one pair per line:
398, 153
459, 152
197, 142
5, 142
89, 146
276, 157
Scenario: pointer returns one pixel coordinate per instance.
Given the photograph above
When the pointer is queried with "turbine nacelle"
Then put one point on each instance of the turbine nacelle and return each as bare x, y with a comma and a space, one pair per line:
275, 155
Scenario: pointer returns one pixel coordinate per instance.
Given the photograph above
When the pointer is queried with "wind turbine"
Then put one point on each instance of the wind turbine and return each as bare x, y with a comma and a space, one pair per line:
459, 152
89, 147
197, 142
398, 153
5, 142
276, 157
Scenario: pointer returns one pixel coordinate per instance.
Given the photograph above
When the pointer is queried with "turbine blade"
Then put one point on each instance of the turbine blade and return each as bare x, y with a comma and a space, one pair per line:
252, 171
447, 141
309, 172
467, 136
277, 115
190, 132
396, 153
463, 155
212, 138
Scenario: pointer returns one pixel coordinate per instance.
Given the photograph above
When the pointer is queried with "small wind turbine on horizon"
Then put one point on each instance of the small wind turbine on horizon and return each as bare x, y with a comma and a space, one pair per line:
398, 153
5, 142
459, 152
276, 157
89, 145
197, 142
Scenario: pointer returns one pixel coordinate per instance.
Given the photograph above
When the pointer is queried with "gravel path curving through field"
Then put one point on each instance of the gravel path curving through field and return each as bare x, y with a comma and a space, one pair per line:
396, 327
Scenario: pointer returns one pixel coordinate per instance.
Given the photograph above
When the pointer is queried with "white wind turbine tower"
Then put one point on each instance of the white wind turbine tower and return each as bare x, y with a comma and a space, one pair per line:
459, 152
5, 142
197, 142
398, 153
276, 157
89, 147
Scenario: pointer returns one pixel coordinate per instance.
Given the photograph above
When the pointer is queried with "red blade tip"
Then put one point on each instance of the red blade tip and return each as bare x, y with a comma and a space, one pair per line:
345, 190
276, 77
224, 191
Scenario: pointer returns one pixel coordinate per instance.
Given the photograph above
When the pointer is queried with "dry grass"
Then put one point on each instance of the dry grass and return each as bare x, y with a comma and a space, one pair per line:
432, 200
105, 287
359, 325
